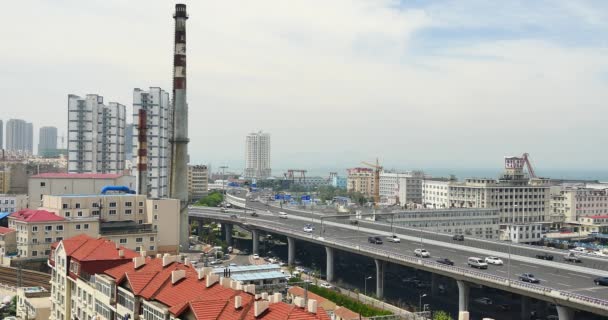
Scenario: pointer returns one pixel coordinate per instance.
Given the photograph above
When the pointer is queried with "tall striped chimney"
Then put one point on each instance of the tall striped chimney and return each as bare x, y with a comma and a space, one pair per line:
179, 140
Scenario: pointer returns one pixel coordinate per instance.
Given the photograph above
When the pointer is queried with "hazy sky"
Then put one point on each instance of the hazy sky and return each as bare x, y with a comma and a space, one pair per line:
416, 83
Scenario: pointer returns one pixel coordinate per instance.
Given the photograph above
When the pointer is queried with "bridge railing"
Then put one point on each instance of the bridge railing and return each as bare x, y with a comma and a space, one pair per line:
539, 289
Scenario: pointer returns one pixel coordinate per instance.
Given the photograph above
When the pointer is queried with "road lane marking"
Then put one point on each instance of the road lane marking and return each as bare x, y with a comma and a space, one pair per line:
501, 271
563, 284
557, 275
578, 275
528, 265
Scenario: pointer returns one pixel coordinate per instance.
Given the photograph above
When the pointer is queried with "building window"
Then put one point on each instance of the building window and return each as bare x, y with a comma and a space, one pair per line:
34, 241
48, 228
152, 248
112, 204
141, 203
86, 225
59, 239
67, 214
59, 228
139, 240
95, 205
123, 241
155, 207
112, 212
77, 205
95, 213
151, 239
141, 221
80, 213
104, 311
141, 211
155, 217
34, 253
128, 204
48, 240
35, 229
77, 227
128, 211
65, 206
43, 184
125, 300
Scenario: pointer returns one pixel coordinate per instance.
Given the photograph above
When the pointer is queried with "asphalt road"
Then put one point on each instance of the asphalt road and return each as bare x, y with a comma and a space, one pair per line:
554, 275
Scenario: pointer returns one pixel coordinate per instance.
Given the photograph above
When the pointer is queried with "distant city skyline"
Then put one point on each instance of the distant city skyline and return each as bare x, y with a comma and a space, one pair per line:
418, 84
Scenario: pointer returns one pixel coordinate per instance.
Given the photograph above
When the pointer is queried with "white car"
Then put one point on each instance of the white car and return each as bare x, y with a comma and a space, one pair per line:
494, 260
325, 285
394, 239
282, 215
308, 228
422, 253
483, 300
256, 256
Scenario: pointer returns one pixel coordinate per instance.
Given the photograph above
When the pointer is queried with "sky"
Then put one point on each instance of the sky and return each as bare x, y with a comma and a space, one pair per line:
417, 84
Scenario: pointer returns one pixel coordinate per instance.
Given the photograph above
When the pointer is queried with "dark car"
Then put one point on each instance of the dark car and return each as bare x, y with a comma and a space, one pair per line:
234, 216
544, 256
374, 240
254, 214
446, 261
458, 237
528, 277
601, 281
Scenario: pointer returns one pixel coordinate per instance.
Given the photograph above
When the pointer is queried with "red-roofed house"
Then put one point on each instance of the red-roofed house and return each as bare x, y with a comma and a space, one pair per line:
36, 230
147, 288
8, 241
72, 183
594, 223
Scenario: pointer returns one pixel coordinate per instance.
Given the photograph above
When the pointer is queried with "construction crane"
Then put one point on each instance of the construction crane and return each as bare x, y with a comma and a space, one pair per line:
526, 158
377, 170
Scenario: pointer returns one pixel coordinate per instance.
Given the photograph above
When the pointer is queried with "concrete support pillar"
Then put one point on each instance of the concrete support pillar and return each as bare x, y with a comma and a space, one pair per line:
291, 251
228, 231
463, 295
525, 308
380, 264
255, 238
434, 284
565, 313
330, 263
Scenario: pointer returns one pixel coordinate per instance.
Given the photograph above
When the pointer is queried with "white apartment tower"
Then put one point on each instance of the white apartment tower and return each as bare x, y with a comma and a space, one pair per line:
156, 103
257, 155
96, 135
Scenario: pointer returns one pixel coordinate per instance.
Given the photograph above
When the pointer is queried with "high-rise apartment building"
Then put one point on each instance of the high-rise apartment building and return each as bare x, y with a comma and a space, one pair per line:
129, 141
257, 155
47, 142
157, 107
198, 182
96, 135
19, 135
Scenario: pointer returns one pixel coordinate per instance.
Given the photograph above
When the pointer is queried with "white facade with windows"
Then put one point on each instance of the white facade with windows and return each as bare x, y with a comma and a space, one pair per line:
257, 155
435, 193
401, 187
477, 222
12, 202
574, 202
157, 104
96, 135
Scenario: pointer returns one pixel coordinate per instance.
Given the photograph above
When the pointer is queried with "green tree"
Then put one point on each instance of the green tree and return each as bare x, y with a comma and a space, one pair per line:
213, 199
442, 315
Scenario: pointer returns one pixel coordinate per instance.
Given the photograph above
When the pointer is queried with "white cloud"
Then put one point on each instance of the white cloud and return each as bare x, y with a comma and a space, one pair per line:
333, 81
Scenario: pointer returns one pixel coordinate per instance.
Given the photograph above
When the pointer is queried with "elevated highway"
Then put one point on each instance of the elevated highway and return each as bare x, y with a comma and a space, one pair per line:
569, 286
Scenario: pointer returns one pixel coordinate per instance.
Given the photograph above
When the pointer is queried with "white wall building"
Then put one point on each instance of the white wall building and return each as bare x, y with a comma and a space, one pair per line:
157, 104
574, 202
257, 155
404, 187
12, 202
96, 135
435, 193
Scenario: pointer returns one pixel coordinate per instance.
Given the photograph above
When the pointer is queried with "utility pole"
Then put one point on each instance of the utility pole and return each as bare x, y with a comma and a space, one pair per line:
223, 185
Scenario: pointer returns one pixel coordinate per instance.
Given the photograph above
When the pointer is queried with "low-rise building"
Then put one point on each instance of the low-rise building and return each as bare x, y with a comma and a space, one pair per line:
596, 223
571, 203
435, 193
478, 222
73, 183
198, 182
10, 203
93, 279
132, 220
8, 241
33, 303
311, 182
339, 182
264, 276
523, 232
361, 180
401, 187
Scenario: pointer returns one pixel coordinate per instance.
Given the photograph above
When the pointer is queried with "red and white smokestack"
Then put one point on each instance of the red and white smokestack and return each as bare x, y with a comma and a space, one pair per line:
179, 140
142, 153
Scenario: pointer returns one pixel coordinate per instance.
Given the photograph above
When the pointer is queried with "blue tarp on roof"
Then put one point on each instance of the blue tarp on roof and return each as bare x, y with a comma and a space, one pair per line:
4, 214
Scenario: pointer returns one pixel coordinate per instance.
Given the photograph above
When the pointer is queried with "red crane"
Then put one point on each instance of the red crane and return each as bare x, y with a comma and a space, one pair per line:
526, 158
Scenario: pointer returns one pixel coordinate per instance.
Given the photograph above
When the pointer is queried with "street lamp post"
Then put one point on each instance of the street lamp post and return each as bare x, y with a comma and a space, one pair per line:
223, 184
420, 301
366, 278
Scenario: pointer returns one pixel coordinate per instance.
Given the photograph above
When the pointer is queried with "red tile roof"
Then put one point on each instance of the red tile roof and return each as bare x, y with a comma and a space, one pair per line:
84, 248
299, 292
346, 314
5, 230
51, 175
152, 281
29, 215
